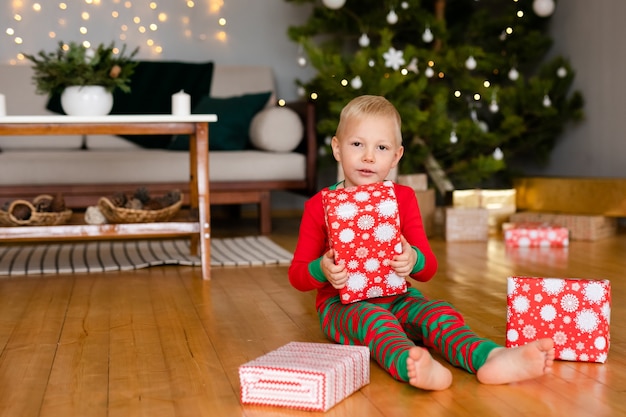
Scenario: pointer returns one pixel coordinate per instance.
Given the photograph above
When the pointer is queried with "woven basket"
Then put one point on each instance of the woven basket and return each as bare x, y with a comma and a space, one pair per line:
115, 214
36, 218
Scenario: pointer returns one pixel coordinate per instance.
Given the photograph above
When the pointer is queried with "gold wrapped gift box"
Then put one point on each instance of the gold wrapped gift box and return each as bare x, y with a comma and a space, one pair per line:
500, 204
591, 196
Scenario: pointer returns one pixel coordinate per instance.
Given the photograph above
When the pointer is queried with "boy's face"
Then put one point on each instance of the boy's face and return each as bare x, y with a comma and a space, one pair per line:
367, 149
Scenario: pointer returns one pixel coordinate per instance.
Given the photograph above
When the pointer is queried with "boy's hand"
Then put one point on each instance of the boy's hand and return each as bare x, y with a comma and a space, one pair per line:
335, 274
404, 262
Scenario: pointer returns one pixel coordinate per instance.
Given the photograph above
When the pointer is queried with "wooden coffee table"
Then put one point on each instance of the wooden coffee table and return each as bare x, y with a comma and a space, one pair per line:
196, 126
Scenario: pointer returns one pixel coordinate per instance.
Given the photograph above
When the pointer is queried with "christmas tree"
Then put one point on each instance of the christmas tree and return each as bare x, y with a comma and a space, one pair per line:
470, 78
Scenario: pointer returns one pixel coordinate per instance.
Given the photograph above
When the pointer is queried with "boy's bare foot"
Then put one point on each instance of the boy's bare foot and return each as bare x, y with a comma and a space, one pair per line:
518, 364
425, 372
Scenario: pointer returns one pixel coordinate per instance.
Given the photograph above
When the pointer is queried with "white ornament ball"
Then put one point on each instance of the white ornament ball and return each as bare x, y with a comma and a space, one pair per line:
493, 106
428, 36
546, 101
543, 8
513, 74
561, 72
364, 40
470, 63
334, 4
356, 83
300, 91
302, 61
429, 72
404, 5
453, 137
392, 17
498, 155
371, 63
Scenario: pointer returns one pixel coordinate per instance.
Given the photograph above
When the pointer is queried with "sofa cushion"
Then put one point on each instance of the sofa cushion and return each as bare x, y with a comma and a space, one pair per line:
40, 142
276, 129
234, 115
152, 85
144, 166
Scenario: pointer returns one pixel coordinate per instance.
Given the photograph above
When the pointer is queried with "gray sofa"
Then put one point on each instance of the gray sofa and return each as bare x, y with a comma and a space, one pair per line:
85, 168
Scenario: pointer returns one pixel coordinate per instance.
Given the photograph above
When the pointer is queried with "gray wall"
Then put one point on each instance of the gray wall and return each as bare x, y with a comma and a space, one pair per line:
591, 35
255, 31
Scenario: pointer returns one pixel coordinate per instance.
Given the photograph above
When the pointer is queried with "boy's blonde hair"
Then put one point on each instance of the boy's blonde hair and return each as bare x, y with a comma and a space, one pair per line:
370, 105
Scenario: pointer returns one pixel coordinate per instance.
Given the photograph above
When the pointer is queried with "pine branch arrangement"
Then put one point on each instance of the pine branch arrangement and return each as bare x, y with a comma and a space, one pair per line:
72, 64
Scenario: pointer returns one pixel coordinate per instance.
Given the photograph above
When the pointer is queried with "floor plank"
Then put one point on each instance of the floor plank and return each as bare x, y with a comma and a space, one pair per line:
32, 343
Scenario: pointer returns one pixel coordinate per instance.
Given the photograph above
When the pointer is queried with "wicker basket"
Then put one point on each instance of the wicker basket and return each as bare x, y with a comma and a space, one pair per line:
115, 214
36, 218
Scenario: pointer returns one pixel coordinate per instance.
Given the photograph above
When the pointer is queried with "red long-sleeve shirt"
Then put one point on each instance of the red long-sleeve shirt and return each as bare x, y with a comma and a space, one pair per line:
305, 273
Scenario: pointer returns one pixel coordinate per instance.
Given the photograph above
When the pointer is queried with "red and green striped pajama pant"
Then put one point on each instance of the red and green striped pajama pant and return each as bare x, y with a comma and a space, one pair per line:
391, 329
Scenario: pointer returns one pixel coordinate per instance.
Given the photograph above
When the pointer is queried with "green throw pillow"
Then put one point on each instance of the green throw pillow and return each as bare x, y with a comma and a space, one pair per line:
234, 115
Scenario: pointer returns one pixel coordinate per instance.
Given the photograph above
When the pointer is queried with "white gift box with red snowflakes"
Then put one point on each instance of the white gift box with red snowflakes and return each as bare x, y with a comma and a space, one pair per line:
535, 235
305, 376
575, 313
364, 231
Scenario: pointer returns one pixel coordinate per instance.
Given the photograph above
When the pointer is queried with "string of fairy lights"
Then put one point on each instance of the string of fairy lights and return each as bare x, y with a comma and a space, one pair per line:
29, 25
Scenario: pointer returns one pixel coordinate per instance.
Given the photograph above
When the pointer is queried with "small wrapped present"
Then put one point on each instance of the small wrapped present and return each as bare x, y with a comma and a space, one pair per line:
418, 182
575, 313
364, 231
535, 235
466, 224
427, 205
500, 204
305, 376
580, 226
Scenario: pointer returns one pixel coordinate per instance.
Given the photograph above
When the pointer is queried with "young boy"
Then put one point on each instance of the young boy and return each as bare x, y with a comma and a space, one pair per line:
368, 144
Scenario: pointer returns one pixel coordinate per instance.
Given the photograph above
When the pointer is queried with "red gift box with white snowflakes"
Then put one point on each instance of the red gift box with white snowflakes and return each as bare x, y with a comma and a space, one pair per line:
364, 231
575, 313
535, 235
305, 376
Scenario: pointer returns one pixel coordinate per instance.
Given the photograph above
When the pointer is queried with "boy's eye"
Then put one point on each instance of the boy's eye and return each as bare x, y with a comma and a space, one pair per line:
383, 147
356, 143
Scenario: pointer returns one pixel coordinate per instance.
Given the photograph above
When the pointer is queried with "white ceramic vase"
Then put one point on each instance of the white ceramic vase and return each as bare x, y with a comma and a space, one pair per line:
86, 100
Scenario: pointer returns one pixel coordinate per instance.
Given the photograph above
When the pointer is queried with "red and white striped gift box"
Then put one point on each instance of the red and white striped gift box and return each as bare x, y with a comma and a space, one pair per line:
575, 313
305, 376
364, 231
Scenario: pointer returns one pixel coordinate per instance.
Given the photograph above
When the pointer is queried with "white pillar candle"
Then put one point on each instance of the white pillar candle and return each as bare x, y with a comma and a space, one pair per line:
181, 103
3, 108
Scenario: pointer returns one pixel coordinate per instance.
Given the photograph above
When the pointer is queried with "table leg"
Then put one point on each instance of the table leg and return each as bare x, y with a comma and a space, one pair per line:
199, 163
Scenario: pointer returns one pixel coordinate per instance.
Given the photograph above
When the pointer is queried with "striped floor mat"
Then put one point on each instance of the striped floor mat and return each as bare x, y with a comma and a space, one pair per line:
101, 256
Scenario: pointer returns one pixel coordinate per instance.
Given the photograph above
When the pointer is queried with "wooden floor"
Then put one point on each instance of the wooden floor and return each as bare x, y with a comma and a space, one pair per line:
162, 342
